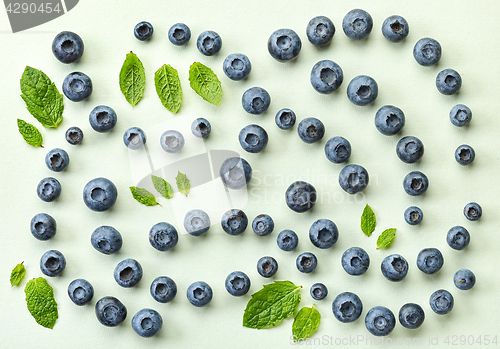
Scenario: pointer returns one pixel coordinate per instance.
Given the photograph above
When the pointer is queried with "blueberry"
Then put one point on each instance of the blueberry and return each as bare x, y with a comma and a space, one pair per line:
201, 128
326, 76
413, 215
57, 160
362, 90
320, 31
448, 81
163, 236
287, 240
285, 119
52, 263
441, 302
77, 86
74, 135
306, 262
172, 141
284, 45
267, 266
355, 261
235, 173
102, 118
199, 293
415, 183
357, 24
460, 115
134, 138
318, 291
196, 222
353, 178
255, 100
128, 273
80, 291
234, 222
263, 225
430, 260
395, 28
465, 154
427, 52
347, 307
143, 31
472, 211
147, 322
253, 138
100, 194
43, 226
464, 279
237, 283
323, 233
48, 189
389, 120
394, 267
209, 43
67, 47
163, 289
237, 66
106, 239
300, 196
110, 311
411, 316
311, 130
458, 238
179, 34
380, 321
338, 150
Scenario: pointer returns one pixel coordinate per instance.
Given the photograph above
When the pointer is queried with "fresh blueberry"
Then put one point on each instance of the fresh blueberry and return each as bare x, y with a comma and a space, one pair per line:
209, 43
102, 118
255, 100
199, 293
353, 178
179, 34
143, 31
306, 262
52, 263
427, 52
362, 90
163, 236
287, 240
74, 135
338, 150
380, 321
196, 222
395, 28
267, 266
347, 307
201, 128
323, 233
464, 279
172, 141
389, 120
235, 173
355, 261
77, 86
128, 273
413, 215
311, 130
357, 24
300, 196
163, 289
57, 160
285, 119
234, 222
472, 211
110, 311
458, 238
262, 225
48, 189
465, 154
320, 31
237, 66
134, 138
253, 138
326, 76
43, 226
80, 291
147, 322
106, 239
460, 115
318, 291
67, 47
448, 81
237, 283
441, 302
284, 45
100, 194
430, 260
394, 267
411, 316
415, 183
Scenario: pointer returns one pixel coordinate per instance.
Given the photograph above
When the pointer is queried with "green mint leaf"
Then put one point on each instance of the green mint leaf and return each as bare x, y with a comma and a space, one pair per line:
18, 274
183, 183
132, 79
41, 302
168, 88
163, 187
30, 133
271, 305
306, 322
385, 239
205, 83
143, 196
368, 221
42, 98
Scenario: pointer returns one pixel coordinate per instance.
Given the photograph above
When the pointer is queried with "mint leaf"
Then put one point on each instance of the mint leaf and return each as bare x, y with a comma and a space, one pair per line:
168, 88
205, 83
41, 302
271, 305
132, 79
143, 196
163, 187
368, 221
30, 133
183, 183
385, 239
306, 322
17, 275
42, 98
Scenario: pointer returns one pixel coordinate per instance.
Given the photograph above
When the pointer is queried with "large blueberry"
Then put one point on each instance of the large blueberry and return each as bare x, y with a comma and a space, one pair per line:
100, 194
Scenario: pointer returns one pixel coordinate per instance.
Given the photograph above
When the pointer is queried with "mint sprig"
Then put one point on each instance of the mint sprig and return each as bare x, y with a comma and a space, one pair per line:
386, 238
162, 187
41, 302
305, 323
30, 133
183, 183
205, 83
143, 196
18, 274
368, 221
168, 88
132, 79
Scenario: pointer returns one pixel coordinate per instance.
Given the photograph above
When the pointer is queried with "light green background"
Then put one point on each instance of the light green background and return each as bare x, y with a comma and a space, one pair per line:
468, 32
